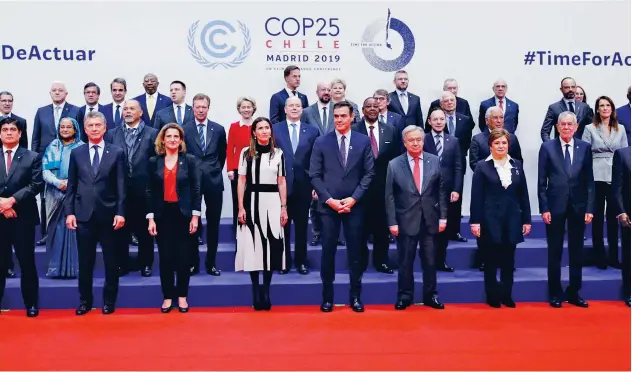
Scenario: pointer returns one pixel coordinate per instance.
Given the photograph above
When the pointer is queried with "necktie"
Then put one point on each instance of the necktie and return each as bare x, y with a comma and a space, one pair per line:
438, 146
381, 119
57, 112
151, 105
343, 151
201, 133
130, 138
417, 174
373, 142
9, 161
117, 114
294, 138
500, 103
403, 99
567, 159
179, 115
451, 125
570, 107
294, 92
325, 124
91, 108
95, 160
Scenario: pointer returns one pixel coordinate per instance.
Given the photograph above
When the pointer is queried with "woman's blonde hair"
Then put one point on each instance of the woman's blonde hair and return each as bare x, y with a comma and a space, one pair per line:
160, 139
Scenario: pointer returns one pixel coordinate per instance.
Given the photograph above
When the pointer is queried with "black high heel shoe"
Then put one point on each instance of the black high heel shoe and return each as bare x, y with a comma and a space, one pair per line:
166, 310
183, 309
256, 301
265, 301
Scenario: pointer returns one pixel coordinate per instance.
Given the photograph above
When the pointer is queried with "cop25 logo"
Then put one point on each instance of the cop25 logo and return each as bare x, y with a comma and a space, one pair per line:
370, 44
221, 44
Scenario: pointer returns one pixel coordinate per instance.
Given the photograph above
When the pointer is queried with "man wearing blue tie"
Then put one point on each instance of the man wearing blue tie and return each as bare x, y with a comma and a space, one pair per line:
179, 112
114, 111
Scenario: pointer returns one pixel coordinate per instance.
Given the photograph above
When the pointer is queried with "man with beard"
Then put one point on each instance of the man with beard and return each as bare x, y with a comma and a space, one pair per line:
567, 103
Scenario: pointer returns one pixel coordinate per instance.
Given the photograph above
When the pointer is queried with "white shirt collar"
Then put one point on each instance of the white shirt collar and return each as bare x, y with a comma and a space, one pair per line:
155, 95
100, 144
128, 127
490, 157
182, 105
572, 142
399, 92
410, 157
290, 122
241, 123
13, 149
289, 93
497, 164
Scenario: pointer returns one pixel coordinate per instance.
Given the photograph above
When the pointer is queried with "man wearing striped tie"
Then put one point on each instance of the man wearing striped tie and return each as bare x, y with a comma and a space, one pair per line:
446, 147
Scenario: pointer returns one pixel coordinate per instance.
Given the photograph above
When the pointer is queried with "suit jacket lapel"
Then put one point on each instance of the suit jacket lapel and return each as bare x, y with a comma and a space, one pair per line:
429, 143
395, 101
409, 173
160, 168
15, 161
336, 148
210, 131
425, 175
577, 158
382, 145
120, 138
104, 159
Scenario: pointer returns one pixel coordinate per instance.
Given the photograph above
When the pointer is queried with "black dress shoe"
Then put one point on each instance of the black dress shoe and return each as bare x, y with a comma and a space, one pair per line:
284, 271
32, 312
602, 266
41, 241
315, 240
194, 270
434, 303
402, 304
213, 271
256, 298
627, 301
342, 243
302, 269
615, 265
459, 238
509, 302
555, 302
83, 308
10, 273
108, 308
326, 307
357, 305
444, 267
146, 272
493, 303
383, 268
577, 301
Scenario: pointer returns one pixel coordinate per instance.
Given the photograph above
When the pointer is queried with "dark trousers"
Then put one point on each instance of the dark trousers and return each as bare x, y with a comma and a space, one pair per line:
454, 218
173, 230
625, 260
297, 211
406, 252
315, 217
352, 224
88, 234
14, 232
603, 195
498, 256
555, 232
375, 224
233, 189
7, 258
43, 214
213, 200
136, 223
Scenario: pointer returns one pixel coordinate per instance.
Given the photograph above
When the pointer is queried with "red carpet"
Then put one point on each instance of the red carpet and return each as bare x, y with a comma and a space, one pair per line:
462, 337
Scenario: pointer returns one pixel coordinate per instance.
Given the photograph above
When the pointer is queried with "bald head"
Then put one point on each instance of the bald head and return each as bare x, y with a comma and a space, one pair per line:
323, 91
150, 83
500, 88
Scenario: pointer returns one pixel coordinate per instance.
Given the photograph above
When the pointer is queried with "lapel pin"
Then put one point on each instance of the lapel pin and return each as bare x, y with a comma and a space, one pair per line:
180, 163
350, 147
107, 152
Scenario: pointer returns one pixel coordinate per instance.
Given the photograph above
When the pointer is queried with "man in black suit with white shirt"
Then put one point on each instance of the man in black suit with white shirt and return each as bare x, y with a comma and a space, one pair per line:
404, 103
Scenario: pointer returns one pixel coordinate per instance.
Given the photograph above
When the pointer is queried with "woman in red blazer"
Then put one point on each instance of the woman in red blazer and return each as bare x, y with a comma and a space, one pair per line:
238, 138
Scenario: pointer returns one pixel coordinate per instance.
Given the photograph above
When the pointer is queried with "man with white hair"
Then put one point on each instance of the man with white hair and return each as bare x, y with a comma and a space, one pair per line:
510, 108
45, 131
462, 105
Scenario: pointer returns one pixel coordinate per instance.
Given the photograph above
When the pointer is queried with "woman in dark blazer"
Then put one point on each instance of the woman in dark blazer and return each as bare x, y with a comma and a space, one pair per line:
173, 207
500, 215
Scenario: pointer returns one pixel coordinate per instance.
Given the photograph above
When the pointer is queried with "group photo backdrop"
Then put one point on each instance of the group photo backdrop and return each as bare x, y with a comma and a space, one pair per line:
232, 49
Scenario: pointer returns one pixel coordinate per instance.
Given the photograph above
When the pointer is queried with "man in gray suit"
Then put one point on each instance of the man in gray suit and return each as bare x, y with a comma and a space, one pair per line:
321, 113
416, 210
567, 103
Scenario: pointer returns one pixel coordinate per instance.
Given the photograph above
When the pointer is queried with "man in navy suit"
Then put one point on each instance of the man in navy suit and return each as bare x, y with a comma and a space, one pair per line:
20, 181
292, 75
138, 143
45, 131
623, 116
179, 112
446, 147
296, 138
404, 103
151, 102
566, 192
341, 169
206, 140
582, 111
510, 108
462, 105
114, 111
95, 207
91, 93
621, 196
385, 146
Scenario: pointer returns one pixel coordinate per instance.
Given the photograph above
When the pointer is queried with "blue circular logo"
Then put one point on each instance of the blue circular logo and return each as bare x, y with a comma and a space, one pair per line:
390, 25
219, 53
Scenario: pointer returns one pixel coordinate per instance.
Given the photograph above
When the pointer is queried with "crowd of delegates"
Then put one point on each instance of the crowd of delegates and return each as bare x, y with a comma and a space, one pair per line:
136, 170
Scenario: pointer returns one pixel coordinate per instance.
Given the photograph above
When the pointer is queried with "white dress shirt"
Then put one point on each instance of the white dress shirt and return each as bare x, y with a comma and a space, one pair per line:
504, 103
94, 108
402, 95
183, 107
298, 129
570, 148
383, 116
376, 132
320, 111
100, 148
347, 142
503, 170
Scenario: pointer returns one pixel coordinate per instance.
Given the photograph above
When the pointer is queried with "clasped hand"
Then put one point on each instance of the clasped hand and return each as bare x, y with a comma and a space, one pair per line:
341, 206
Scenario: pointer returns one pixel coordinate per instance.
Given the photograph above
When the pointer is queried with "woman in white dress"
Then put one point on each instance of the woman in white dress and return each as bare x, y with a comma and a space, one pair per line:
261, 193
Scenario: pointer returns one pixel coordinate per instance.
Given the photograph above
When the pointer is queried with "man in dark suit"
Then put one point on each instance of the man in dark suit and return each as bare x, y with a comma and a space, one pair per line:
206, 140
95, 207
416, 209
385, 145
446, 147
385, 115
621, 196
341, 169
321, 110
581, 110
114, 111
296, 139
404, 103
179, 113
151, 102
462, 105
20, 181
138, 143
91, 93
623, 116
566, 192
45, 131
510, 109
292, 75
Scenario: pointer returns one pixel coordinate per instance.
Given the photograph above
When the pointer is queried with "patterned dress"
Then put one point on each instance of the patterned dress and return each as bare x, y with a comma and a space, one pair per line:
260, 244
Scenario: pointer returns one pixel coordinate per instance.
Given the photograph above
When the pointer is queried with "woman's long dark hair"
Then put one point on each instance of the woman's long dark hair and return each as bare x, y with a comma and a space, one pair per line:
612, 123
252, 149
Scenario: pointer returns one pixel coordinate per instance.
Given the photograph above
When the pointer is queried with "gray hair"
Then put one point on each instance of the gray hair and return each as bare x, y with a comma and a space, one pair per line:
498, 81
399, 72
445, 95
6, 93
565, 114
449, 80
489, 111
411, 128
94, 115
381, 92
241, 100
293, 98
339, 81
58, 82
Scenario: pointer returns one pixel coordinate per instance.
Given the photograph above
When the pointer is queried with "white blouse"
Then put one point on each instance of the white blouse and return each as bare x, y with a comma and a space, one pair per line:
503, 170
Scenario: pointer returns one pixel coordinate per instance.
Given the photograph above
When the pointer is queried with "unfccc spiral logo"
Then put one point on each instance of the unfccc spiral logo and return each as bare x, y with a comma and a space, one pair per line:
407, 43
222, 44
